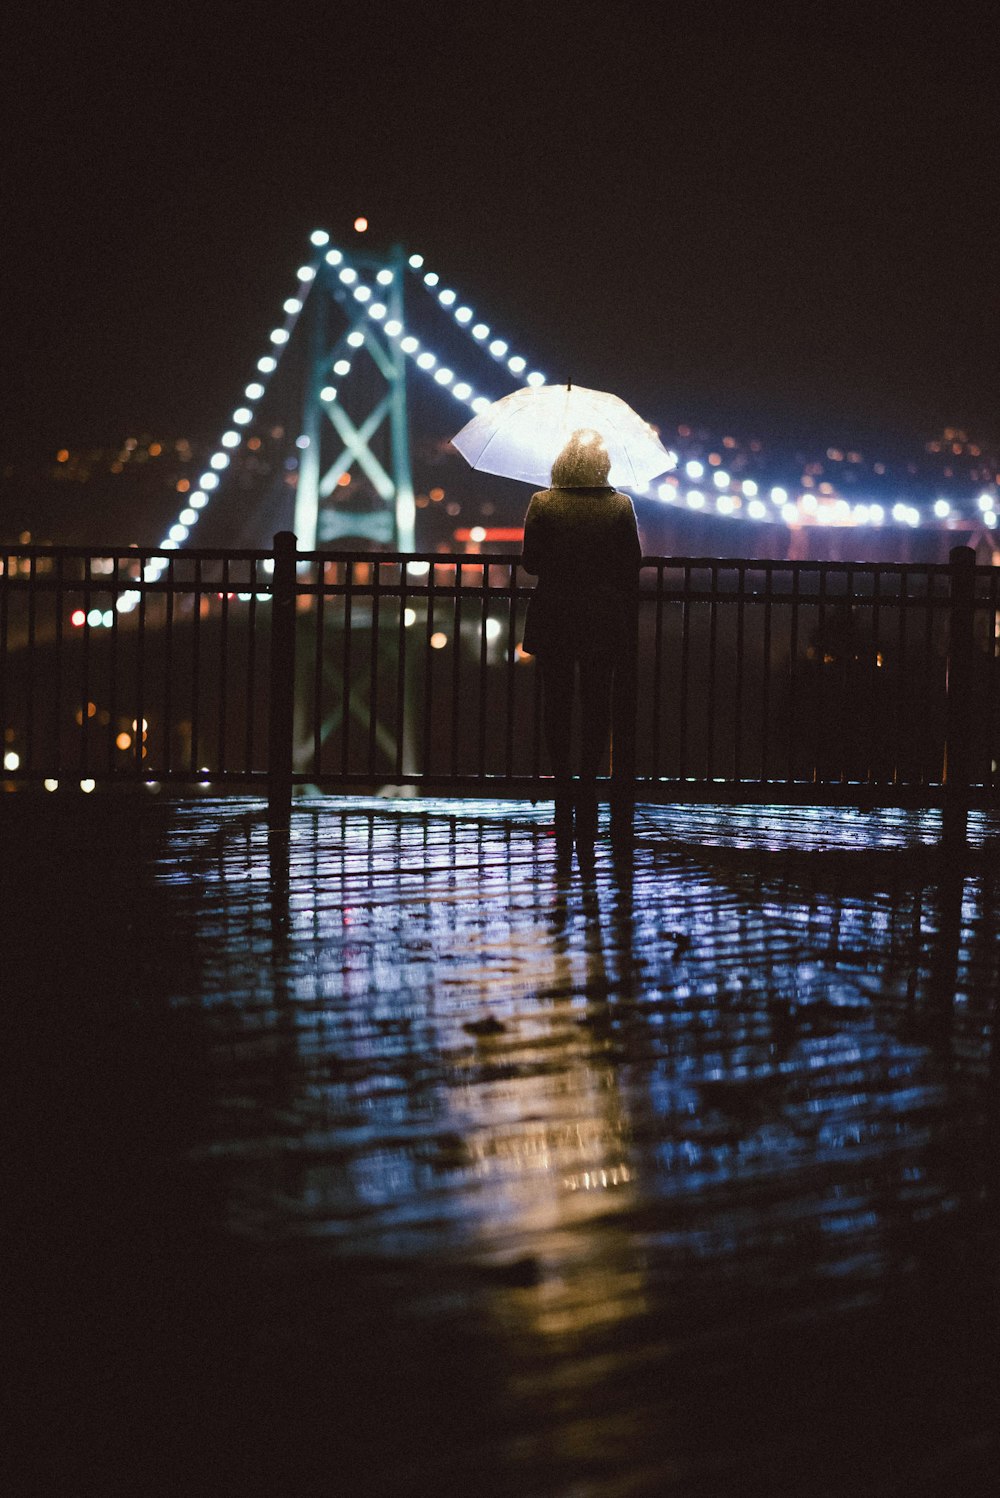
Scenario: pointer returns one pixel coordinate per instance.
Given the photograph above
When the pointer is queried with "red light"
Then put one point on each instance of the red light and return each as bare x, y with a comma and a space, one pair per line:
78, 617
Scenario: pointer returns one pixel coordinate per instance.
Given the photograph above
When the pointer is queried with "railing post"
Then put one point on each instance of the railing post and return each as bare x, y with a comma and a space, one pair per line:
960, 682
624, 705
282, 700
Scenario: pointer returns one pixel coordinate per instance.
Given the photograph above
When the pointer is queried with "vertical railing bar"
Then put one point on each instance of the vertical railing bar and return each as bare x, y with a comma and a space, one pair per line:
897, 774
401, 723
657, 669
511, 664
168, 675
765, 691
58, 668
713, 633
428, 671
682, 716
5, 563
85, 668
140, 715
373, 659
930, 675
224, 660
992, 737
484, 603
345, 718
113, 669
195, 664
318, 666
741, 578
456, 667
536, 723
251, 693
849, 723
876, 679
818, 738
793, 674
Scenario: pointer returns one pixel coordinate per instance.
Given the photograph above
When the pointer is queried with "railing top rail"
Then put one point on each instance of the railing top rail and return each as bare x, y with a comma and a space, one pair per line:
130, 553
473, 560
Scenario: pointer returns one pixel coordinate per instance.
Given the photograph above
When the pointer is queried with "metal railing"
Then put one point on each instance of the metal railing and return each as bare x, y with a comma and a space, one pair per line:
781, 681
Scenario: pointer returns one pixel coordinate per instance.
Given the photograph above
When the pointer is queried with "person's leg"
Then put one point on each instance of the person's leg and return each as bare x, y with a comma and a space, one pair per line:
596, 677
558, 681
558, 674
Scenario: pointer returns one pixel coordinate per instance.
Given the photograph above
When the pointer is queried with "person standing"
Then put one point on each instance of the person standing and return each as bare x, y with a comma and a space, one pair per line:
582, 543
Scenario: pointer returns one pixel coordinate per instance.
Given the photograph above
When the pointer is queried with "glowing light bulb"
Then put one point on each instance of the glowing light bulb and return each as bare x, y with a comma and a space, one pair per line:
242, 416
756, 509
188, 517
360, 224
333, 257
319, 237
779, 495
328, 393
447, 298
480, 331
695, 499
942, 508
749, 487
230, 439
347, 275
362, 294
384, 278
536, 378
305, 273
292, 305
302, 442
267, 365
342, 367
254, 391
498, 348
409, 344
463, 314
415, 262
480, 404
11, 760
720, 479
356, 339
219, 460
394, 327
431, 278
278, 335
694, 469
198, 499
377, 310
209, 481
877, 514
990, 518
426, 360
178, 533
87, 786
517, 364
462, 391
443, 376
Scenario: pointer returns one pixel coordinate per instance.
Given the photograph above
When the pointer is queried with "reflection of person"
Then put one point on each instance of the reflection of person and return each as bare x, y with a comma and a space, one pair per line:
581, 540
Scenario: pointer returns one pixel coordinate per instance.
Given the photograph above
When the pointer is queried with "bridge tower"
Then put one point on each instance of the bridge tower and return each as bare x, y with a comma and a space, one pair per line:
340, 330
363, 428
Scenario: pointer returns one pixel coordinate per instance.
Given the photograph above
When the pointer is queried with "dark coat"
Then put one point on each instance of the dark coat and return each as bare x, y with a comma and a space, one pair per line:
583, 546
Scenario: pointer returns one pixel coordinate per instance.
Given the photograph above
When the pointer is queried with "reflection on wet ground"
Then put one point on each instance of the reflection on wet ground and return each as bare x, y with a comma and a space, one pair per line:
431, 1167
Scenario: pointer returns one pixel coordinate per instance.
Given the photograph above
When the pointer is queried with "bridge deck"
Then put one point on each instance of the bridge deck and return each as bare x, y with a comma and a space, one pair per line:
387, 1158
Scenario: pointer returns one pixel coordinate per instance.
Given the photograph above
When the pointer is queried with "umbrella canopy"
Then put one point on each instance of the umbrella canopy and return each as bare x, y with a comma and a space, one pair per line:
520, 436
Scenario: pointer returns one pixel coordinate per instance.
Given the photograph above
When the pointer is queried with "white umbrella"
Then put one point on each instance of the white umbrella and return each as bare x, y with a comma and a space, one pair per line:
520, 436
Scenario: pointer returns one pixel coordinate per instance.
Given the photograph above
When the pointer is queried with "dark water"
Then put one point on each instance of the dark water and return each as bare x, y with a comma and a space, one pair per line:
382, 1158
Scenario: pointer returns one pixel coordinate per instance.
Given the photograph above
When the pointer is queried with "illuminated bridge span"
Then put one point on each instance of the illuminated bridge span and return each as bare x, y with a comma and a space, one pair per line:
366, 298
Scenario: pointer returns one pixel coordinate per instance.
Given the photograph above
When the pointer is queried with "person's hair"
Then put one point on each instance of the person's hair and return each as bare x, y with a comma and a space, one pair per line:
583, 463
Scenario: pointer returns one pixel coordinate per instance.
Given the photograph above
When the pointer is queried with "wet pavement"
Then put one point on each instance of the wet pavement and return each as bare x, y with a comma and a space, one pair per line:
387, 1156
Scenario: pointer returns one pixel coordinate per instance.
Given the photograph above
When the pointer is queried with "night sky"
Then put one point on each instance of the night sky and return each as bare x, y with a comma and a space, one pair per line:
787, 223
